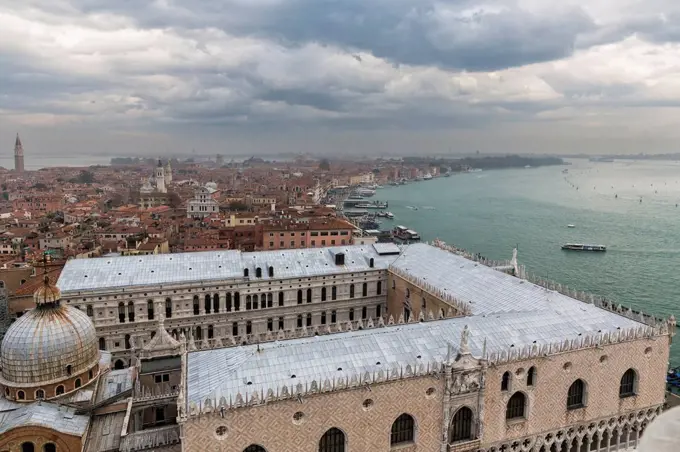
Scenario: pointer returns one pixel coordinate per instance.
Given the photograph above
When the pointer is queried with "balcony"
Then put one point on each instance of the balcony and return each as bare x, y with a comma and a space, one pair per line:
150, 439
464, 446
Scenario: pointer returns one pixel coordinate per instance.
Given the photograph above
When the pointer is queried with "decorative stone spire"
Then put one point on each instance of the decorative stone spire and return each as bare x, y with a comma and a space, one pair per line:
464, 348
162, 343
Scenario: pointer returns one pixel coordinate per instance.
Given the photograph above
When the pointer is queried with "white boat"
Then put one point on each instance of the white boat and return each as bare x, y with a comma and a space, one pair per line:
389, 215
428, 176
571, 226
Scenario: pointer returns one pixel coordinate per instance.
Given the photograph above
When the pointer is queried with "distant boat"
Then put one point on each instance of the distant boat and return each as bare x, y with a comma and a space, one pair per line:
571, 226
528, 166
581, 247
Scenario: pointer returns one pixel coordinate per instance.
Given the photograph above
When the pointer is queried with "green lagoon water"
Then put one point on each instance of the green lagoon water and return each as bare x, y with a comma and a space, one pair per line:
491, 212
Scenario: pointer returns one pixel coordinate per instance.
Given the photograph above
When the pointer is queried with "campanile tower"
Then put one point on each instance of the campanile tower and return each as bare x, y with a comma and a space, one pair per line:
18, 156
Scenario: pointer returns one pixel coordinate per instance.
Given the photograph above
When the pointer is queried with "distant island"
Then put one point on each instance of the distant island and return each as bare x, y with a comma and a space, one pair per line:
488, 162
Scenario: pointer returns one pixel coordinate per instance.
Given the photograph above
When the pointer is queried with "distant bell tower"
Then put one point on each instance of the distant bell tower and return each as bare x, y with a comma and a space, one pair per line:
160, 178
18, 156
168, 175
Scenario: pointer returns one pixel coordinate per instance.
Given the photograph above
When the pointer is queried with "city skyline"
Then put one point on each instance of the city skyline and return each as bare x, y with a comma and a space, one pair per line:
404, 78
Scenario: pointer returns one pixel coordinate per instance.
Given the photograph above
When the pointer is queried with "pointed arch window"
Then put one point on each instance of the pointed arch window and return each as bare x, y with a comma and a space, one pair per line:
461, 425
168, 308
516, 406
131, 311
576, 395
309, 295
102, 343
364, 290
299, 296
378, 288
505, 382
403, 430
197, 306
149, 309
237, 301
254, 448
332, 441
258, 272
334, 293
206, 304
121, 312
216, 303
255, 298
249, 302
531, 376
323, 294
228, 302
351, 290
627, 388
270, 300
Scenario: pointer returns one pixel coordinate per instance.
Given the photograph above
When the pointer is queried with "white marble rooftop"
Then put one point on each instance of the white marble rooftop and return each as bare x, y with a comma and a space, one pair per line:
482, 288
129, 271
212, 374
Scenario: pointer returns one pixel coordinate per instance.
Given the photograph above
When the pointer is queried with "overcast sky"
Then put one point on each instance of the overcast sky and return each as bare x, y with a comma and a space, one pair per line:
118, 77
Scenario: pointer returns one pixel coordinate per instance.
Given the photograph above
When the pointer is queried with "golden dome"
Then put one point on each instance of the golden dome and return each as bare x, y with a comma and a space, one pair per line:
47, 293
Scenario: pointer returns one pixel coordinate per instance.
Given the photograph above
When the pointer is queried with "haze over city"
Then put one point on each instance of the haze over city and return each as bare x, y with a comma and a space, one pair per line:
85, 77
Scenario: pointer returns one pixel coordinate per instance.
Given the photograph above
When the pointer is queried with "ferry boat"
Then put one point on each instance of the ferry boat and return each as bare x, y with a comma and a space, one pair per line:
365, 192
384, 214
405, 234
372, 205
582, 247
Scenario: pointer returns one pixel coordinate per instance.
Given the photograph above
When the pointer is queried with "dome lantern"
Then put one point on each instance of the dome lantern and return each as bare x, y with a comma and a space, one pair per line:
47, 295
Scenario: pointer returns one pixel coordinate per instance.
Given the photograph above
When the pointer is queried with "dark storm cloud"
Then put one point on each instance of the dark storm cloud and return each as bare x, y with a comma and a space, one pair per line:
449, 34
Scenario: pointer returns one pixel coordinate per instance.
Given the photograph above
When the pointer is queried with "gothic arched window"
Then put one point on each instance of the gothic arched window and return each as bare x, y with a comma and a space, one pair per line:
628, 382
216, 303
516, 406
531, 376
168, 308
351, 290
197, 306
309, 295
364, 290
505, 382
576, 395
332, 441
461, 425
403, 430
206, 303
254, 448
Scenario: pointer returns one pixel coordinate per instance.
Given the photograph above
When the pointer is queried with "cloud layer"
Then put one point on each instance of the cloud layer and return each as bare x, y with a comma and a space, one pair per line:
401, 76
